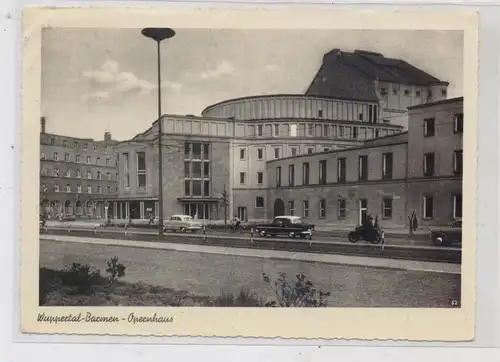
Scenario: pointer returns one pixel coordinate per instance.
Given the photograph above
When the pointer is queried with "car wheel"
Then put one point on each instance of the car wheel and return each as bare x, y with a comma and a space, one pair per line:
439, 239
291, 235
263, 234
182, 229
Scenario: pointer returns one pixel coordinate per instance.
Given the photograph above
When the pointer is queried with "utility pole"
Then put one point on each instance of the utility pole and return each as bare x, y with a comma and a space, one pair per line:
225, 201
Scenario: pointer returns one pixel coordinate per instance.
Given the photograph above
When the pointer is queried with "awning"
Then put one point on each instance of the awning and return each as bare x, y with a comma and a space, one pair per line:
198, 199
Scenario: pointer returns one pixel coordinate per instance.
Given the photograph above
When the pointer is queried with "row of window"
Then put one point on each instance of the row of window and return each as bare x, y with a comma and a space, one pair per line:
406, 92
76, 145
88, 189
89, 175
430, 125
294, 151
197, 169
140, 170
67, 158
319, 130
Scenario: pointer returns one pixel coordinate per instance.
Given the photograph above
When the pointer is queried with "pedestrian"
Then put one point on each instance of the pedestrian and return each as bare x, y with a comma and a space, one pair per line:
151, 218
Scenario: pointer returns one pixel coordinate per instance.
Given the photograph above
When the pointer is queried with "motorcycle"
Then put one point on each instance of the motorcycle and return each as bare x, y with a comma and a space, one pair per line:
374, 236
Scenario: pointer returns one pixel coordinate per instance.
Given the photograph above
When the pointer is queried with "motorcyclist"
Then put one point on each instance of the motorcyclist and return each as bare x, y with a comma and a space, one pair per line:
370, 227
236, 223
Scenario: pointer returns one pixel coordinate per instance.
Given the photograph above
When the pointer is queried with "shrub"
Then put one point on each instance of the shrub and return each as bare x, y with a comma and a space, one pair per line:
302, 293
81, 277
243, 299
114, 270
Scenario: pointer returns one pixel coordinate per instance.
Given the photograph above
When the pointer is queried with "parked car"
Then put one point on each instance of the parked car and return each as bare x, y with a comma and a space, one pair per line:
291, 226
447, 235
182, 223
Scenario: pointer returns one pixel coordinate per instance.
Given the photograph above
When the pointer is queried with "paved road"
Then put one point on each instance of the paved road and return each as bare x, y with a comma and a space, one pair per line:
207, 274
391, 249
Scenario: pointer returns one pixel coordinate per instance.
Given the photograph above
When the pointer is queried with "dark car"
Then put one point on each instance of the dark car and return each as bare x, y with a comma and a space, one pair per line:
447, 235
291, 226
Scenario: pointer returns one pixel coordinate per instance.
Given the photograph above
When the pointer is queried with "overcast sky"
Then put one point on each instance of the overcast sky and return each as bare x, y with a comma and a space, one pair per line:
101, 79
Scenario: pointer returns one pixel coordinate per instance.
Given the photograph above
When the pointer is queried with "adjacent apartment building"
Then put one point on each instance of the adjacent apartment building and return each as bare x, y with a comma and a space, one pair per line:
419, 170
76, 174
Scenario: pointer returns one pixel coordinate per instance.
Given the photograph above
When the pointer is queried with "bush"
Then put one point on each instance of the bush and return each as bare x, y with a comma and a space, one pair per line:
115, 270
243, 299
302, 293
81, 277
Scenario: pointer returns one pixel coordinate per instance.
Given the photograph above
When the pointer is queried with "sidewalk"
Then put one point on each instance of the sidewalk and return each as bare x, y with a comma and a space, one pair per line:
408, 265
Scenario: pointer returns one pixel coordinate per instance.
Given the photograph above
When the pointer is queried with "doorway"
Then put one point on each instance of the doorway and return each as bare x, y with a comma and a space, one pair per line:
363, 211
242, 213
279, 208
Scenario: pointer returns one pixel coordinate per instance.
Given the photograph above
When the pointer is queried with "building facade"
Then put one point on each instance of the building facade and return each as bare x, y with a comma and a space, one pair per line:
361, 74
391, 177
76, 174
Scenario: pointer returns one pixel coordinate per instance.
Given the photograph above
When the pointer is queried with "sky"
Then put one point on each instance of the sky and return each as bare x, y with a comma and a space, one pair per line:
97, 80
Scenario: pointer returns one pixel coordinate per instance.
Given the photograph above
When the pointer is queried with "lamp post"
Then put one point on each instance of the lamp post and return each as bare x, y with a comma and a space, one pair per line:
158, 35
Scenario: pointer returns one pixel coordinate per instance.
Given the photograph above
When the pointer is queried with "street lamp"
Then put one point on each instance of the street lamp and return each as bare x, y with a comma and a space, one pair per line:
158, 35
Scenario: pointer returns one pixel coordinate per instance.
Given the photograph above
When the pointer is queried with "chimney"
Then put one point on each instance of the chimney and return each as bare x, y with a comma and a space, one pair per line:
42, 125
107, 136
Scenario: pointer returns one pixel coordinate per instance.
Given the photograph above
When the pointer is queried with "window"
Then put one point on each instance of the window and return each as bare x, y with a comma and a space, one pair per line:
242, 154
52, 141
67, 173
68, 188
75, 145
457, 206
56, 188
355, 133
341, 208
293, 130
79, 189
377, 133
322, 209
291, 175
89, 189
126, 170
78, 173
458, 162
428, 207
260, 178
89, 175
276, 153
44, 171
276, 130
360, 116
417, 93
291, 208
394, 90
108, 189
326, 130
259, 130
105, 149
197, 169
55, 172
322, 172
383, 91
293, 151
320, 113
99, 189
407, 92
243, 178
107, 161
429, 164
387, 208
387, 162
278, 176
260, 154
259, 202
443, 92
310, 130
65, 143
341, 170
141, 169
341, 131
96, 148
42, 156
310, 150
55, 156
108, 176
77, 158
88, 159
458, 123
98, 175
85, 146
305, 173
97, 160
305, 208
363, 168
429, 127
66, 157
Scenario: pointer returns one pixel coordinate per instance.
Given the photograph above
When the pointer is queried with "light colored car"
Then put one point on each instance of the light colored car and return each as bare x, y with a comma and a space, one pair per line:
182, 223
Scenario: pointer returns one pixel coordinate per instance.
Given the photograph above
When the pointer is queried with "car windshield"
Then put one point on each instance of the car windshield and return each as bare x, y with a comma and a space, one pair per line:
188, 218
297, 221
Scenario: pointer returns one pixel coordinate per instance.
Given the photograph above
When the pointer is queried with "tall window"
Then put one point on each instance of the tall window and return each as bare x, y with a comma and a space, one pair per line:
293, 151
310, 150
355, 133
197, 169
457, 206
341, 170
429, 164
96, 148
260, 154
55, 172
322, 172
88, 160
97, 160
387, 162
89, 174
276, 130
260, 178
326, 130
278, 176
242, 154
79, 189
387, 208
99, 189
75, 145
68, 188
78, 173
322, 208
293, 130
363, 168
291, 208
56, 188
291, 175
458, 123
341, 208
276, 152
243, 178
77, 158
89, 189
428, 207
458, 162
259, 202
305, 173
429, 127
259, 130
85, 146
66, 157
126, 170
310, 130
141, 169
55, 156
98, 175
305, 208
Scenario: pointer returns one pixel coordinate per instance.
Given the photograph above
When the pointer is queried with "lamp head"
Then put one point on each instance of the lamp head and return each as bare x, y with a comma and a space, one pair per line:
158, 34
